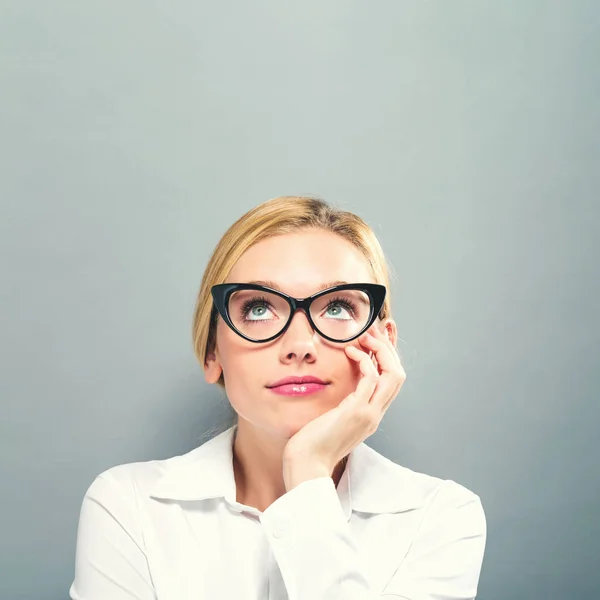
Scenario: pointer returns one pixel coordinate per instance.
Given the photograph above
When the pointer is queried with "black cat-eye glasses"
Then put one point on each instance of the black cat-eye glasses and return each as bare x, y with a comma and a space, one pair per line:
260, 314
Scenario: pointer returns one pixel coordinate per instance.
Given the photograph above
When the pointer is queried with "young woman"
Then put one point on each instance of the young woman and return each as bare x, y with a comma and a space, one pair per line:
293, 320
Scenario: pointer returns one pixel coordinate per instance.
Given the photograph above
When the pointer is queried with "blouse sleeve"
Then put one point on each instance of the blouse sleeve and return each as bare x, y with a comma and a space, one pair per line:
319, 558
110, 561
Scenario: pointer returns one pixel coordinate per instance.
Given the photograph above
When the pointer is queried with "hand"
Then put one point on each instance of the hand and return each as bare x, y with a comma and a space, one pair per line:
317, 448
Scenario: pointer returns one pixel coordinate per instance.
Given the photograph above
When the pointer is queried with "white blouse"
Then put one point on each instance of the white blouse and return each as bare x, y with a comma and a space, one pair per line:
173, 530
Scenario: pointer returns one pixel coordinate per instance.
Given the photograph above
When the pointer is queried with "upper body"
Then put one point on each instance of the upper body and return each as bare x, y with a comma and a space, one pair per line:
173, 530
294, 504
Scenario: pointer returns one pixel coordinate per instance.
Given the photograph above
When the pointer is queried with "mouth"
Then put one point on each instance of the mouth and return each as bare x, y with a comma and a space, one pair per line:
298, 389
297, 379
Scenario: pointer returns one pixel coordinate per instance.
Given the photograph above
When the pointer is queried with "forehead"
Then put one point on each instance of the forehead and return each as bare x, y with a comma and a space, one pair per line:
301, 262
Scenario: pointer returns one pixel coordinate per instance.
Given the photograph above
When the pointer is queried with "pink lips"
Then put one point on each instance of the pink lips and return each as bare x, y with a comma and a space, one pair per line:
298, 386
298, 389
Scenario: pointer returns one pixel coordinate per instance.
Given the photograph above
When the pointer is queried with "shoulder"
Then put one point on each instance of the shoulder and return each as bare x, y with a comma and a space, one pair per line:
446, 501
127, 482
197, 474
436, 493
389, 486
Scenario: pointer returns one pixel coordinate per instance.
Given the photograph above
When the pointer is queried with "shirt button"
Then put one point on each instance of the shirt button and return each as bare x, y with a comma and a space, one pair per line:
281, 528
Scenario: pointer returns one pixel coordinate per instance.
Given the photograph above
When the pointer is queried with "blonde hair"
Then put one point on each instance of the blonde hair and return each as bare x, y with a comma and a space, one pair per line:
279, 216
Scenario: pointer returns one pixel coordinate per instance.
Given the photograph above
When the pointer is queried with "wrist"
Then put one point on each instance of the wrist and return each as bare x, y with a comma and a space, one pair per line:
297, 471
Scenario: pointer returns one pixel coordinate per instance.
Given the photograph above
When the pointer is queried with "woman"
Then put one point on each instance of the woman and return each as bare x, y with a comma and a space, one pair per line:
293, 321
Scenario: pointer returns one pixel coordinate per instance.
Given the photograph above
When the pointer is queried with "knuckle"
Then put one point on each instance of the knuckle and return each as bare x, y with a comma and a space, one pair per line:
373, 424
400, 375
372, 415
366, 418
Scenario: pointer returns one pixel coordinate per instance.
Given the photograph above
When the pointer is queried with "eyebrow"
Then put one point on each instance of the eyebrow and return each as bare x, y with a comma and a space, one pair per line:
273, 285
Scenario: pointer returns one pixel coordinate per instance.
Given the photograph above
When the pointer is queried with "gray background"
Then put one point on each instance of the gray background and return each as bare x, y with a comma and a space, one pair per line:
466, 133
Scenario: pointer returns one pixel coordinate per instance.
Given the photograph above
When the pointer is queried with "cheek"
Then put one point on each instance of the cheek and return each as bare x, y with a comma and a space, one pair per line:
235, 358
347, 377
249, 367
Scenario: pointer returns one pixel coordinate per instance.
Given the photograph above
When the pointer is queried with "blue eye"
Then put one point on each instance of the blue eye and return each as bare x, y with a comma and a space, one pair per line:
342, 302
249, 306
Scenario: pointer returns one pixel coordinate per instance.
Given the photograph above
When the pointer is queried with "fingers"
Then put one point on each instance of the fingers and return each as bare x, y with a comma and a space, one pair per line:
368, 382
385, 353
392, 373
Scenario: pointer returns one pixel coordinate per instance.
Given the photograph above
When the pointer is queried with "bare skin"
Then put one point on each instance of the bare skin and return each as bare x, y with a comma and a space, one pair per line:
300, 264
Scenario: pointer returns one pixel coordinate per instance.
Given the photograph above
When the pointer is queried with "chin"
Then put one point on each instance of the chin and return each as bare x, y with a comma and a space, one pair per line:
291, 423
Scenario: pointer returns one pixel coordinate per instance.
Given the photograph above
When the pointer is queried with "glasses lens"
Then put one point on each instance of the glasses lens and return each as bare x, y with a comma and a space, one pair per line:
257, 314
260, 315
341, 314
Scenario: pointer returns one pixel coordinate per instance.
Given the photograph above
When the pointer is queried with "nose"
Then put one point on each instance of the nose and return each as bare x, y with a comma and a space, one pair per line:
298, 341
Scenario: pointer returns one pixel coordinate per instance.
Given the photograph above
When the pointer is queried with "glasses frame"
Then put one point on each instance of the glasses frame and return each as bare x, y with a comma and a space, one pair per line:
221, 293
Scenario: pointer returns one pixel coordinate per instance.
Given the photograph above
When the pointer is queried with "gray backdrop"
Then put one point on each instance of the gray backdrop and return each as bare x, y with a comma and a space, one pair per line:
466, 133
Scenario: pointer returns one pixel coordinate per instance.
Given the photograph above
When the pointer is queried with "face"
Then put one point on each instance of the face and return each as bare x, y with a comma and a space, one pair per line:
299, 264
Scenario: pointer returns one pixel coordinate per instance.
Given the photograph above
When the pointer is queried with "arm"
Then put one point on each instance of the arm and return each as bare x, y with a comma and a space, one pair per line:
110, 561
319, 558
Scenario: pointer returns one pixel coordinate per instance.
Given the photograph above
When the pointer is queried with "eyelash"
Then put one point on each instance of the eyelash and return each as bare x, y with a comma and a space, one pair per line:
252, 302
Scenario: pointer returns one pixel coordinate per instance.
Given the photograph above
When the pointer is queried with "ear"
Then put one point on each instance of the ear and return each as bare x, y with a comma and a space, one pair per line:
212, 367
388, 326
